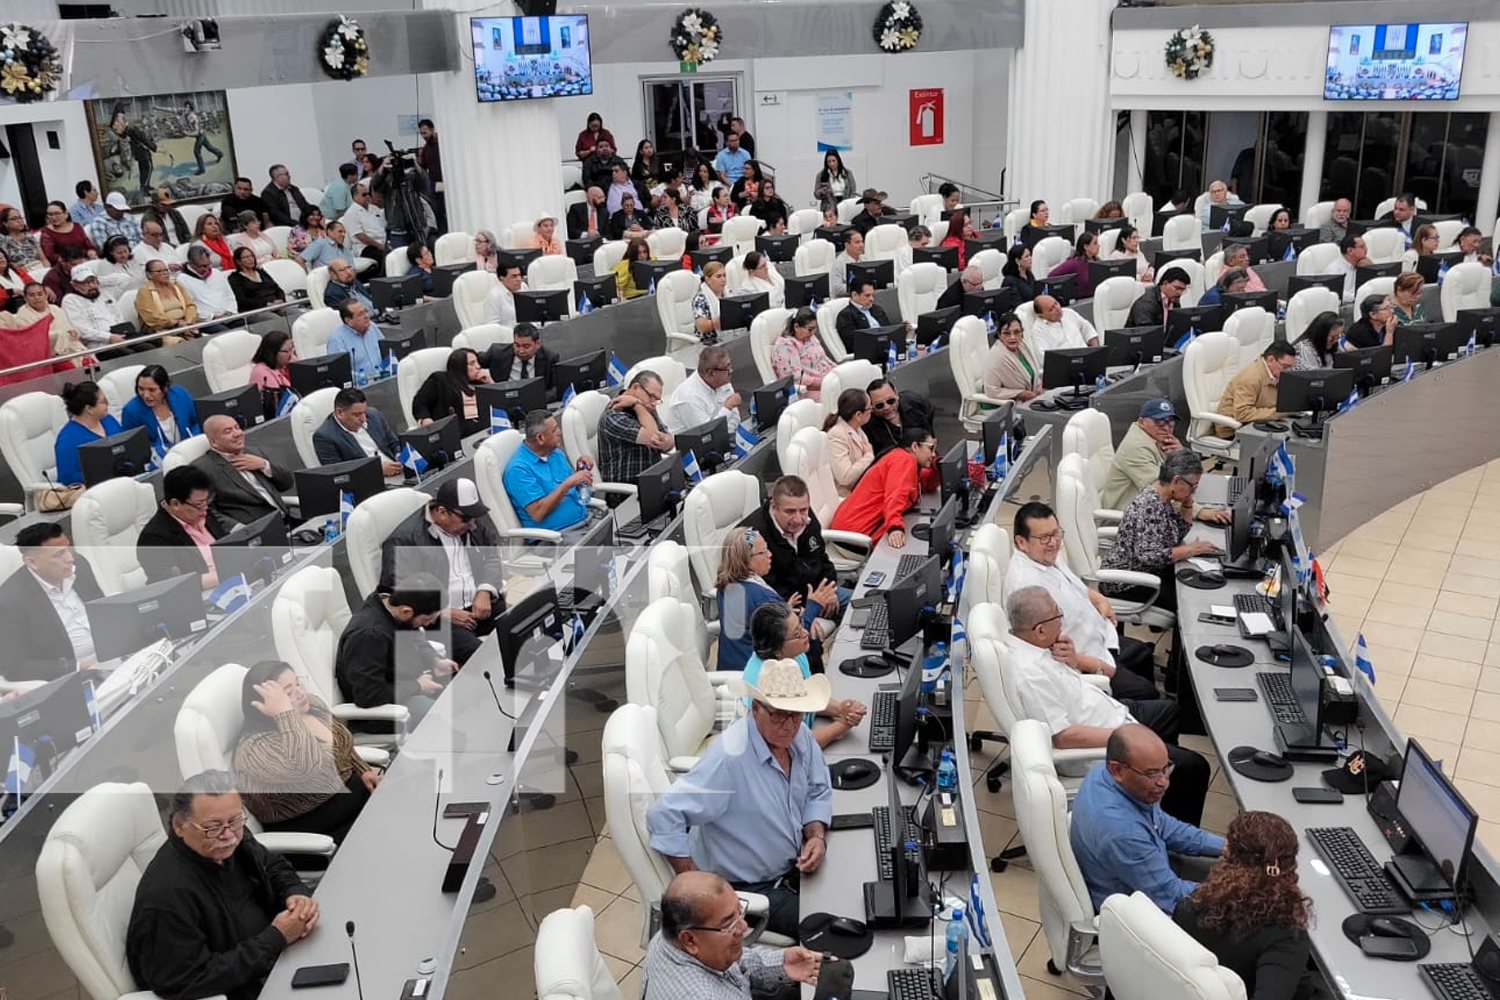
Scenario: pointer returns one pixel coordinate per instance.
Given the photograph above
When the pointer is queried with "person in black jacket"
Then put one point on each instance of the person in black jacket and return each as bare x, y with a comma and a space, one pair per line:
341, 437
862, 312
208, 885
524, 357
894, 411
427, 542
283, 199
173, 541
451, 393
382, 658
1017, 280
1151, 309
39, 644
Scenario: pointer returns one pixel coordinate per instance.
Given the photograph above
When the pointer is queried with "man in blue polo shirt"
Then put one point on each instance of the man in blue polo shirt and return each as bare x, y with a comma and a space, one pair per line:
542, 486
359, 337
730, 163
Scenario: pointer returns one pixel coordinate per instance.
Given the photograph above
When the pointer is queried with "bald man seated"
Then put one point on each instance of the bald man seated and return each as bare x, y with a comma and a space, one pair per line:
699, 953
1122, 838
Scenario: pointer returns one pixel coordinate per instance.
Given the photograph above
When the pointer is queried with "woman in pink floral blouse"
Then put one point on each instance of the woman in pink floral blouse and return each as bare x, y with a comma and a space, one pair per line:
798, 352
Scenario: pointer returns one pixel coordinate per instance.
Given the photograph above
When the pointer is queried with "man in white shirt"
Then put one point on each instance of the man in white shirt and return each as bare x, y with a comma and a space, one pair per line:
90, 310
42, 607
1087, 615
364, 223
154, 246
1057, 327
1353, 254
208, 286
706, 394
500, 303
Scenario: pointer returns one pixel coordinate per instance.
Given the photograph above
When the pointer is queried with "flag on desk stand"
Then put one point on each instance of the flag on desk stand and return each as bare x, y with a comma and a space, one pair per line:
1343, 343
1362, 658
231, 594
956, 574
1185, 339
91, 703
1001, 467
1292, 502
890, 355
1281, 466
287, 402
690, 467
1352, 398
568, 394
744, 440
412, 459
585, 304
1291, 251
615, 373
18, 773
956, 633
1473, 344
573, 634
346, 507
391, 363
1411, 370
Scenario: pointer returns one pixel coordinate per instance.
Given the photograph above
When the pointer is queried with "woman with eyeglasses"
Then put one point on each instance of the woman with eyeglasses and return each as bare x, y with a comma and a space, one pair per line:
1013, 370
1406, 299
1319, 342
847, 449
706, 303
270, 367
253, 288
799, 353
18, 243
777, 633
167, 411
744, 560
486, 251
61, 231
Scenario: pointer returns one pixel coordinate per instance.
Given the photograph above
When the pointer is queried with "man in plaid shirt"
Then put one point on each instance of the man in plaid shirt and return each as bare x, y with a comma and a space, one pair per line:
632, 436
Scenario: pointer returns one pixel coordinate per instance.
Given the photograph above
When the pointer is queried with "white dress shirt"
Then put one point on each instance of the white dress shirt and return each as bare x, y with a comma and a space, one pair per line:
694, 403
1091, 632
73, 614
1342, 266
1048, 336
500, 306
365, 219
117, 279
1056, 694
92, 318
212, 295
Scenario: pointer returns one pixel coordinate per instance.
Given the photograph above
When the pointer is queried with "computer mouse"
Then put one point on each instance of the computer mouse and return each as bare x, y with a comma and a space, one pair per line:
853, 772
1210, 577
848, 927
1222, 649
1266, 758
1385, 927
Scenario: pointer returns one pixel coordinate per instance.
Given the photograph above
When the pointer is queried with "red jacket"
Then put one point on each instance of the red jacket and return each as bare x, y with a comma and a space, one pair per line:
887, 490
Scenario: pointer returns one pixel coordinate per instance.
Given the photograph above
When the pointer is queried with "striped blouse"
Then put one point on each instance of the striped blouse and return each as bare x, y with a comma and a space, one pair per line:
288, 772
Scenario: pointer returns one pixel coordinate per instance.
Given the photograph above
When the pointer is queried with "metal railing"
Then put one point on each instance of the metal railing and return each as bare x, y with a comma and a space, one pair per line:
984, 206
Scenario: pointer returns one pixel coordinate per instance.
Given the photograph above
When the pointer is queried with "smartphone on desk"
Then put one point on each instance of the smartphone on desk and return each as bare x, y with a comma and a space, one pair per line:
320, 975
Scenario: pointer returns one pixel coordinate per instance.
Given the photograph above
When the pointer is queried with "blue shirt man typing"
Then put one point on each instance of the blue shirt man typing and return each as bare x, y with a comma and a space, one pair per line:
1120, 835
755, 808
542, 486
359, 337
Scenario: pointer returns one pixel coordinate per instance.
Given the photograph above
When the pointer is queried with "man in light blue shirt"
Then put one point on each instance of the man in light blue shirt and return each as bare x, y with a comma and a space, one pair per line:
1120, 835
730, 163
542, 486
359, 337
755, 808
1218, 194
87, 208
339, 194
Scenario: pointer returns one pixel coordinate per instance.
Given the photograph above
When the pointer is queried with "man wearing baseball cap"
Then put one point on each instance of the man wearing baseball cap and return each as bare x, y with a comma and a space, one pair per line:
450, 540
1138, 458
757, 799
92, 312
116, 221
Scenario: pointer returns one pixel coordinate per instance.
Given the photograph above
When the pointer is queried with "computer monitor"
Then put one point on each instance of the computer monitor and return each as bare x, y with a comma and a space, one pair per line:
769, 400
874, 344
331, 371
994, 428
1199, 319
1134, 346
986, 302
944, 257
50, 719
124, 454
1368, 272
516, 257
255, 550
737, 311
1427, 343
1235, 301
1307, 687
1481, 323
953, 471
992, 239
903, 219
585, 372
1104, 225
593, 560
940, 533
905, 601
1320, 390
526, 633
1101, 271
1162, 258
441, 441
779, 247
1278, 241
1371, 366
444, 275
659, 488
132, 620
1159, 220
806, 289
600, 291
1255, 246
580, 250
395, 293
1438, 818
243, 403
1218, 215
837, 235
515, 399
1242, 512
708, 442
648, 272
1078, 367
1333, 282
1430, 265
935, 325
1032, 235
881, 272
1061, 288
541, 306
318, 489
402, 343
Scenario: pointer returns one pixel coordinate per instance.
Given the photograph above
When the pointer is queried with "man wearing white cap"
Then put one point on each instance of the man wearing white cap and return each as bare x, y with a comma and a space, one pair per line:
90, 310
116, 221
755, 808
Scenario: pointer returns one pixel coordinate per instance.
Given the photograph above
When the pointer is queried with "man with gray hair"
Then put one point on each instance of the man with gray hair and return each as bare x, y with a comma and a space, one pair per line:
1237, 255
706, 394
207, 887
541, 485
632, 436
208, 286
970, 282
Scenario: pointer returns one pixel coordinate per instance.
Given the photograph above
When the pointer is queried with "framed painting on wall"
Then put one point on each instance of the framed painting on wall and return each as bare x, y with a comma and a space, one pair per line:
181, 142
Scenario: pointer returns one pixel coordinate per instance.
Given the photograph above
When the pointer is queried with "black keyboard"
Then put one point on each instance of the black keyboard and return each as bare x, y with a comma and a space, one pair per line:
634, 528
1277, 687
906, 566
1454, 981
883, 721
1356, 868
877, 630
909, 984
1249, 604
910, 834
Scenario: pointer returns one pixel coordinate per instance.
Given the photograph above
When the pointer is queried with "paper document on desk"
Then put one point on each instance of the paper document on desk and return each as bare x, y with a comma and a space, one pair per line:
1203, 565
1257, 623
1222, 610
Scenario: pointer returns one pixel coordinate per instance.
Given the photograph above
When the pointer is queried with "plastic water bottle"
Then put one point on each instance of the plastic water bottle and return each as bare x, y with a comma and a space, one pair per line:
947, 773
911, 348
331, 529
1099, 383
585, 491
933, 667
957, 938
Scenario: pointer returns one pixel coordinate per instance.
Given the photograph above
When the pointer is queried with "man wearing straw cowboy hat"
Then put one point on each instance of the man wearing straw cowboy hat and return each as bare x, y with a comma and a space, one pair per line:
756, 806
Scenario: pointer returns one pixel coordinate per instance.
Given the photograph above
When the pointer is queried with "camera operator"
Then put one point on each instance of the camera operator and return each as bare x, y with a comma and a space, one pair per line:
403, 187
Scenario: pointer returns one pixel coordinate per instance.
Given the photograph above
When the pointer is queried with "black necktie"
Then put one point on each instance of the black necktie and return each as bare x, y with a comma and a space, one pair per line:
525, 369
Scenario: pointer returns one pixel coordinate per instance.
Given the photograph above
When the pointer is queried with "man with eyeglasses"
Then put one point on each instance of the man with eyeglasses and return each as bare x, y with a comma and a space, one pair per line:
190, 931
1376, 324
699, 953
895, 411
245, 485
1138, 458
756, 807
706, 394
1251, 394
632, 435
1337, 226
180, 536
449, 539
1124, 838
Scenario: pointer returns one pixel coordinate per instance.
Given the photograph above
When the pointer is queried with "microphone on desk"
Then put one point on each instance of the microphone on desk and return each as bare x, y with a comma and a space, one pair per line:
354, 954
436, 802
496, 695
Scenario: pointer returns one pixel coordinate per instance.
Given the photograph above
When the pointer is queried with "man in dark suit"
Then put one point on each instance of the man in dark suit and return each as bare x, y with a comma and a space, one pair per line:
177, 538
861, 313
578, 216
1151, 309
598, 167
893, 412
284, 201
245, 485
1404, 215
523, 357
449, 540
42, 613
355, 429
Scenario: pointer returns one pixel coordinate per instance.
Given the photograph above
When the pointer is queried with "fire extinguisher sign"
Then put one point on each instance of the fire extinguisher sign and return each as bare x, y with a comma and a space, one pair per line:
925, 117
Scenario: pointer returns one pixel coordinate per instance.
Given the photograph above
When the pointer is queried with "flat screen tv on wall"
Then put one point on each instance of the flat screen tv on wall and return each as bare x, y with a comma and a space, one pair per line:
521, 58
1395, 62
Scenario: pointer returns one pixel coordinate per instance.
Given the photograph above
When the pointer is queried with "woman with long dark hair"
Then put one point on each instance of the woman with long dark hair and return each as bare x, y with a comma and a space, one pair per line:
834, 182
1017, 278
960, 228
644, 170
1086, 249
270, 365
167, 411
253, 288
450, 392
89, 420
1319, 342
798, 352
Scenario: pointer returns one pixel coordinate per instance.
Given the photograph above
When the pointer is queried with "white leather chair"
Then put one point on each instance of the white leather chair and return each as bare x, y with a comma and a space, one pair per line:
803, 223
86, 875
855, 373
192, 213
1109, 240
1196, 287
923, 205
1210, 361
734, 273
317, 283
1384, 245
227, 359
1077, 504
311, 330
396, 263
453, 248
1182, 232
667, 244
1389, 205
566, 959
984, 578
918, 289
740, 231
369, 526
469, 292
1305, 306
185, 452
1076, 210
674, 305
828, 332
968, 354
672, 373
1087, 434
308, 615
1041, 805
1139, 210
571, 198
990, 262
572, 175
107, 519
764, 329
1047, 254
607, 255
580, 430
1254, 328
306, 417
28, 428
1146, 956
126, 303
882, 241
517, 235
807, 459
665, 670
482, 337
1314, 215
1448, 231
118, 385
712, 507
795, 416
669, 573
289, 274
1212, 268
1113, 298
278, 237
413, 371
553, 273
1259, 217
1320, 258
1015, 220
813, 256
1465, 286
848, 208
1375, 286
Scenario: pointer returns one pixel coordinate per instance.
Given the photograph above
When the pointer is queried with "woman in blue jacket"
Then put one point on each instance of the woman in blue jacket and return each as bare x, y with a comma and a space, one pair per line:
88, 410
743, 562
165, 410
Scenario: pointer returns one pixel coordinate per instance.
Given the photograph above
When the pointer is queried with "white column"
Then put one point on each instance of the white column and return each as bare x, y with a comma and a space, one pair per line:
1060, 131
1312, 160
1489, 179
1135, 170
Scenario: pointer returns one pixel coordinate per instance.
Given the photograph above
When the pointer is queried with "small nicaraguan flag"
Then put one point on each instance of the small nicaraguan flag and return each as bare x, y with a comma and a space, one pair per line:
499, 420
18, 774
1291, 252
231, 594
791, 392
1292, 502
91, 703
412, 459
975, 915
1411, 370
956, 633
989, 319
287, 402
1442, 271
651, 288
391, 364
890, 354
1473, 344
690, 467
346, 507
585, 304
573, 634
812, 301
1351, 400
1002, 458
1185, 339
1362, 658
744, 440
1281, 463
956, 574
615, 372
1343, 343
568, 394
1225, 227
